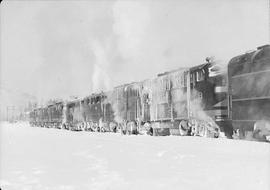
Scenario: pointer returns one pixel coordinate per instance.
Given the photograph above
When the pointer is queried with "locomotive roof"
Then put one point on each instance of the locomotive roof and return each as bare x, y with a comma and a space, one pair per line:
127, 84
93, 95
257, 60
37, 109
191, 69
249, 56
55, 103
241, 58
73, 101
198, 67
172, 71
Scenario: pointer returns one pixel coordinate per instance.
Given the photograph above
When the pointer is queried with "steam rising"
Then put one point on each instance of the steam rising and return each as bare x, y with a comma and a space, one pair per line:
87, 46
100, 79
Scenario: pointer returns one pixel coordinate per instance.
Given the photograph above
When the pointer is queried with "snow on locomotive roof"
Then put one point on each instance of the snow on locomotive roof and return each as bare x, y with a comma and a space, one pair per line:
172, 71
54, 103
264, 46
126, 84
198, 67
251, 52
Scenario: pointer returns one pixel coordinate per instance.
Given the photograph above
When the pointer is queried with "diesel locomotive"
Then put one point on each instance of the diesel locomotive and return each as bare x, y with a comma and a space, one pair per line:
163, 102
228, 100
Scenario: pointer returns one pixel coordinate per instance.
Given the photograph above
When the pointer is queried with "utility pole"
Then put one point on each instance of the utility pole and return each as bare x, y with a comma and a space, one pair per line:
7, 112
188, 94
2, 116
13, 113
269, 20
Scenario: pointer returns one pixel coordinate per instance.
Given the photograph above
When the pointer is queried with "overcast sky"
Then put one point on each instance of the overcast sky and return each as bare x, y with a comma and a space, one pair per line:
62, 48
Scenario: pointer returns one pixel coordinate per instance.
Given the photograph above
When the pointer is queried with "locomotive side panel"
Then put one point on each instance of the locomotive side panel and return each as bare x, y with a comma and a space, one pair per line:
55, 114
251, 85
85, 109
251, 110
146, 95
249, 89
51, 111
108, 112
179, 94
59, 113
77, 115
107, 106
133, 102
160, 106
120, 103
95, 108
33, 117
70, 112
45, 114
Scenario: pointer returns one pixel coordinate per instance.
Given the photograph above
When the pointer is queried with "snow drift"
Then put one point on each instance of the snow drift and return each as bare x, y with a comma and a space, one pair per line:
41, 158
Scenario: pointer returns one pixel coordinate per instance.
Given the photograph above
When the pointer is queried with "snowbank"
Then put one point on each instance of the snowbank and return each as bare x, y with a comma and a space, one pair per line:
41, 158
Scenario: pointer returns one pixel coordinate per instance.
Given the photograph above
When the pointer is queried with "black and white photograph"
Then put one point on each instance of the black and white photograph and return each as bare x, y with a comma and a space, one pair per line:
135, 95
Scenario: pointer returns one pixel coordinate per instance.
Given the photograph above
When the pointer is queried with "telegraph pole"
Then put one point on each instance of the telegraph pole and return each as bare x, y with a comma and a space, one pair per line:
269, 20
7, 113
188, 94
13, 113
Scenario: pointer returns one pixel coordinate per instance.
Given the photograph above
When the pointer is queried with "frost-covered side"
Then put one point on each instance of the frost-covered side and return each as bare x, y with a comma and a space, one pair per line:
42, 158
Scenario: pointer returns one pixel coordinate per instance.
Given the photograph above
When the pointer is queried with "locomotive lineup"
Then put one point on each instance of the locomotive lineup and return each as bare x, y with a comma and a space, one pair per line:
204, 100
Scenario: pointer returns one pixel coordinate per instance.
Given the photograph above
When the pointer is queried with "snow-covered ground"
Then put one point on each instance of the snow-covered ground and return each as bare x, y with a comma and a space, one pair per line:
39, 158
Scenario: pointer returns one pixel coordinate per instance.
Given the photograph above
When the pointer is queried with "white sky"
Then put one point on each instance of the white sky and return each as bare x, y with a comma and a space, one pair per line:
62, 48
